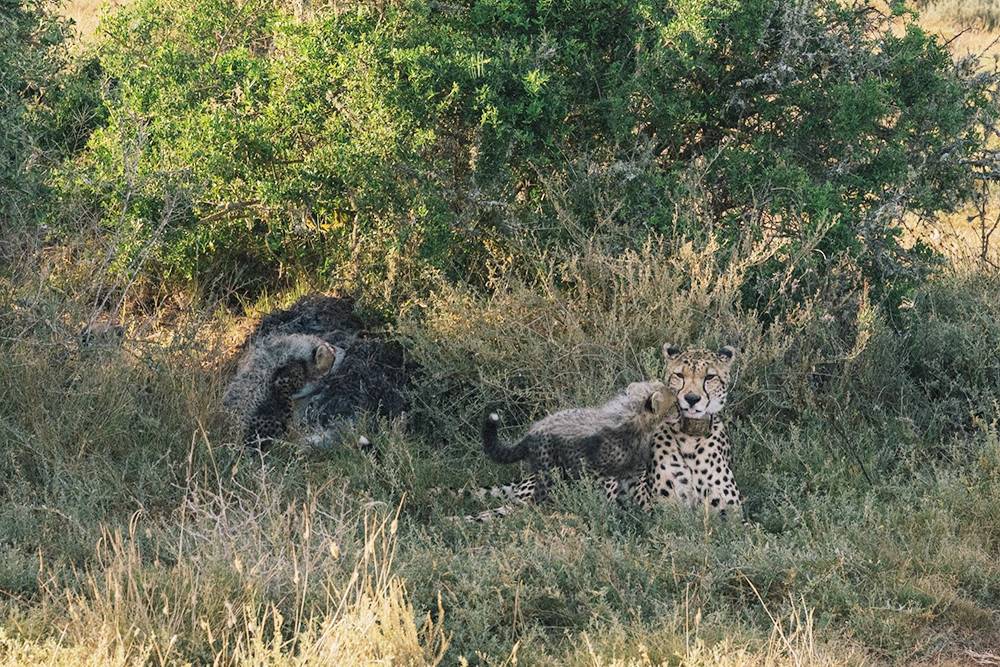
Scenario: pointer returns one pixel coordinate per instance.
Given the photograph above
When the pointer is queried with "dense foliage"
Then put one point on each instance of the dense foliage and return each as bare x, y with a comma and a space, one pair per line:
29, 50
372, 143
49, 103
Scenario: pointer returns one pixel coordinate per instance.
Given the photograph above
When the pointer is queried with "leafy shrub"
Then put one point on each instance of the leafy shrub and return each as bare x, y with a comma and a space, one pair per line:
371, 145
31, 56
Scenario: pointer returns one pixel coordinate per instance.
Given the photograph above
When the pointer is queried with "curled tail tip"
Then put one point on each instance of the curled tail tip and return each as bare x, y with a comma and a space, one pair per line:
491, 444
491, 419
491, 424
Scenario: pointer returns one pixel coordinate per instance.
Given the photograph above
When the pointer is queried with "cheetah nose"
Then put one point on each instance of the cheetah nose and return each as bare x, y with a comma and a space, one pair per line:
692, 398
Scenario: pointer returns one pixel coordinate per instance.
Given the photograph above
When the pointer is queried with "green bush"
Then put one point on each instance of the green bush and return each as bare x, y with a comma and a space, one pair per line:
31, 57
368, 146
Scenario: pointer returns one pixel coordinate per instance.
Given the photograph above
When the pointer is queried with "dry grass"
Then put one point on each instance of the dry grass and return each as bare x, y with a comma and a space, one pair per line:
981, 14
964, 238
214, 601
131, 535
86, 14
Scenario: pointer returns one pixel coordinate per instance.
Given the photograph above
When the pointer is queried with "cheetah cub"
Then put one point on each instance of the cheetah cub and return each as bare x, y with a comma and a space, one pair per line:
271, 376
612, 440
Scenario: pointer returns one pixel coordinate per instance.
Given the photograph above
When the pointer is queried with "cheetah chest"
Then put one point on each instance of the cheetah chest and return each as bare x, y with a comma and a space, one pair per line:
692, 469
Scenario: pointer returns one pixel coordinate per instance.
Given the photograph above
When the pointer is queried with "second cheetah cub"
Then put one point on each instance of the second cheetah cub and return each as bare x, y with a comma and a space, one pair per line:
612, 440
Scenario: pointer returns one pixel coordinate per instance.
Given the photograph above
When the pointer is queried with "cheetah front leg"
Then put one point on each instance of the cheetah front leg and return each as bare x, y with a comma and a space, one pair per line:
613, 488
511, 491
489, 515
716, 486
670, 479
624, 489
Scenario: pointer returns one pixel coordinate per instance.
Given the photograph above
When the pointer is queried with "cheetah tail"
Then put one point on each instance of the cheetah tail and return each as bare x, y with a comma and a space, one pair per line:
491, 443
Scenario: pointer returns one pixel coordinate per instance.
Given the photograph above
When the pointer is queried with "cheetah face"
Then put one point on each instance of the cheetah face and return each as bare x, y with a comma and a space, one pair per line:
654, 402
325, 359
700, 378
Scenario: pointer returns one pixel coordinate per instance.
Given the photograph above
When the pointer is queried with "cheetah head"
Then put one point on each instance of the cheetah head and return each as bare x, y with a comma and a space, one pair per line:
653, 402
321, 358
700, 378
325, 359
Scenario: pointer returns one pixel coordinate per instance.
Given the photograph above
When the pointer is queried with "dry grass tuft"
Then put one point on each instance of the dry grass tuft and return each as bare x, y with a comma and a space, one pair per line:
296, 600
86, 14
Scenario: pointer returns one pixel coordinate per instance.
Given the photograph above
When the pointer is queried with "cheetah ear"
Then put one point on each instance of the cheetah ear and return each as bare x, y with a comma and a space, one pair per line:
726, 354
671, 351
655, 401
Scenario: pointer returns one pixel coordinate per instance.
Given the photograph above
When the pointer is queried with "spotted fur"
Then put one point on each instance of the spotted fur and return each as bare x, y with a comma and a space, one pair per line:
691, 459
608, 441
271, 376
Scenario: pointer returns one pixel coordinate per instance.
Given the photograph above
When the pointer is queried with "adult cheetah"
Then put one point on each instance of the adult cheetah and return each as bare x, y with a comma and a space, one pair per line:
691, 459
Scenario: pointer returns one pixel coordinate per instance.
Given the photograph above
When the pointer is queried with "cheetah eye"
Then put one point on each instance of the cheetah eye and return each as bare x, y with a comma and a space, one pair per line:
710, 376
679, 375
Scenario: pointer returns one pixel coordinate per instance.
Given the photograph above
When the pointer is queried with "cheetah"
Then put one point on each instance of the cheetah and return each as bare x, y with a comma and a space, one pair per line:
272, 375
691, 460
608, 441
